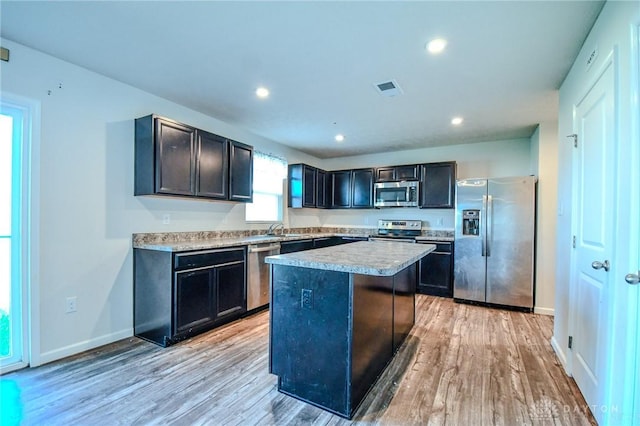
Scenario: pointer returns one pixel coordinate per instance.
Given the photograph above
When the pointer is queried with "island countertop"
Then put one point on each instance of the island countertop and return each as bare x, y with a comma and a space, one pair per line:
379, 258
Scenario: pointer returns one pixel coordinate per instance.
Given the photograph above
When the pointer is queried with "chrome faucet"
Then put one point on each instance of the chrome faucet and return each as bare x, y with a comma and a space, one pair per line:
274, 226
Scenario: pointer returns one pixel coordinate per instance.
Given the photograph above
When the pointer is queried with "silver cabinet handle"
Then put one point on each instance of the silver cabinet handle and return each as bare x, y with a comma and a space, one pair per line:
633, 278
601, 265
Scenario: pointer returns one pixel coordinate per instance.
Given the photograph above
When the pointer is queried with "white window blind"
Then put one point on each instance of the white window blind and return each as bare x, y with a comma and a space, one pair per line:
269, 172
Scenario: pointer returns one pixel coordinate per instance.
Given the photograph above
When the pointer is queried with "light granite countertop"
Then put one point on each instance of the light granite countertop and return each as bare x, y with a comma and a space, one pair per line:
213, 243
381, 258
205, 240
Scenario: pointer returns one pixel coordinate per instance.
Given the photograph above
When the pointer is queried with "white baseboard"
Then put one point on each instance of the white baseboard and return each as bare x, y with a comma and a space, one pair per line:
544, 311
562, 356
76, 348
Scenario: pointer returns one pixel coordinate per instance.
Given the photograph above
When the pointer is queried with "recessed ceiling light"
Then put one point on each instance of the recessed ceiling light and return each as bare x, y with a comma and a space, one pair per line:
262, 92
436, 46
339, 137
456, 121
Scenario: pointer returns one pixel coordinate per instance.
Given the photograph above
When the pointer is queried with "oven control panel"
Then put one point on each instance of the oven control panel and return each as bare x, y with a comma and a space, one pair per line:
400, 224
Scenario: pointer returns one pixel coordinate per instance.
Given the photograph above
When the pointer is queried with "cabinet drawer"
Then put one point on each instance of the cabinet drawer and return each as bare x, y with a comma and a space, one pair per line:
442, 247
208, 258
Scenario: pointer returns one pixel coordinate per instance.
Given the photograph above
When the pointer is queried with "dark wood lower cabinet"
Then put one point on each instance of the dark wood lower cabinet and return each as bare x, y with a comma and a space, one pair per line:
333, 333
230, 290
179, 295
436, 271
193, 307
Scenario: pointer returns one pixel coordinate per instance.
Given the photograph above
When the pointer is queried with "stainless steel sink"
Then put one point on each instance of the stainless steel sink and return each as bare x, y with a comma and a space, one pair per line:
261, 237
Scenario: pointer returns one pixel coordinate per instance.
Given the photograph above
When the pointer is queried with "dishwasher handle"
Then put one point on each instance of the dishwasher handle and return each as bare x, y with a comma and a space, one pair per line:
258, 248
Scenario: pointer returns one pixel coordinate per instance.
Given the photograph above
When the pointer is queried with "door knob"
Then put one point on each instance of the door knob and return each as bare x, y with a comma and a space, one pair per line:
633, 278
600, 265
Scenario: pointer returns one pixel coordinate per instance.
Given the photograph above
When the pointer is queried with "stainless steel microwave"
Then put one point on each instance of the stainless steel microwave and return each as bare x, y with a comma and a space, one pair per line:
396, 194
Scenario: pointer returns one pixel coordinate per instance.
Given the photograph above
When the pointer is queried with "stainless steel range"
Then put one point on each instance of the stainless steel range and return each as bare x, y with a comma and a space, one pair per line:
398, 230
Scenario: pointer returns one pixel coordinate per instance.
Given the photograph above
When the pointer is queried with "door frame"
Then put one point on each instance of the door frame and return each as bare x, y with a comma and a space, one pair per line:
30, 232
634, 252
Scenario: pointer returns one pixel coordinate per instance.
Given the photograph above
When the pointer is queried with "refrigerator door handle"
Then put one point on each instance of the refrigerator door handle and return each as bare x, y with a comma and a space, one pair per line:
483, 225
489, 220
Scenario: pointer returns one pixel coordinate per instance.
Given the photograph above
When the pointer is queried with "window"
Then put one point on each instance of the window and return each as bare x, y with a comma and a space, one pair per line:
269, 172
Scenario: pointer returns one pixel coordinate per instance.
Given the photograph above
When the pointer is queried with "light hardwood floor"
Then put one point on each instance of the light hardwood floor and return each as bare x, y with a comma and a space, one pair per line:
461, 365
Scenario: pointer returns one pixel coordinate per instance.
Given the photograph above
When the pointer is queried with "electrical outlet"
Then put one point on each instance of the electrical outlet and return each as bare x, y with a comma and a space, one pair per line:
71, 304
166, 219
307, 298
440, 221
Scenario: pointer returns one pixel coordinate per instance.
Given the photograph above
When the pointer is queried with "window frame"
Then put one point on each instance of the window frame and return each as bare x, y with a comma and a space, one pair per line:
258, 156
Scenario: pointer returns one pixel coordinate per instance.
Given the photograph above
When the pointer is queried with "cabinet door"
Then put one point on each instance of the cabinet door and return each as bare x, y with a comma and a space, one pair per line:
308, 186
231, 299
328, 242
322, 197
212, 169
294, 180
411, 172
385, 174
362, 188
341, 189
436, 273
194, 293
175, 157
438, 185
293, 246
240, 172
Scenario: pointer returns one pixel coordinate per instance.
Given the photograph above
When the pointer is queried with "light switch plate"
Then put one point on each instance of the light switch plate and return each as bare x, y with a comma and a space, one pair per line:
4, 54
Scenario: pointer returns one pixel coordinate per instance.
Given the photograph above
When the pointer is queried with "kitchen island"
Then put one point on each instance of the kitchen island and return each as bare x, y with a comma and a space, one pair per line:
338, 315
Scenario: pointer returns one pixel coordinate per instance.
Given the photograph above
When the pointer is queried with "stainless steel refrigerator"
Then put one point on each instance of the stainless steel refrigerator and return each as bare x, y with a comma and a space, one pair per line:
494, 241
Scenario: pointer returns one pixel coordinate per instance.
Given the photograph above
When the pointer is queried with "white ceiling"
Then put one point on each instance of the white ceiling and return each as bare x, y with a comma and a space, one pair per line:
501, 70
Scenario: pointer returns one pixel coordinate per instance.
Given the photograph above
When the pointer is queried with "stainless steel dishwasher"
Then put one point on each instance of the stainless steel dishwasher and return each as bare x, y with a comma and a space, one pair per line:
258, 274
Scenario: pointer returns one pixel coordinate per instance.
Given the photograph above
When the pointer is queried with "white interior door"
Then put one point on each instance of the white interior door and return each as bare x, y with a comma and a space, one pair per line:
594, 187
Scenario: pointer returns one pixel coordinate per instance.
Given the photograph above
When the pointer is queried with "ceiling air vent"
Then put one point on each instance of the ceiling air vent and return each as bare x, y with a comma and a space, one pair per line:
388, 88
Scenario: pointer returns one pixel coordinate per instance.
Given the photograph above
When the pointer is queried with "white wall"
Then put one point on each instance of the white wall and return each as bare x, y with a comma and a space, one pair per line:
616, 30
87, 208
544, 164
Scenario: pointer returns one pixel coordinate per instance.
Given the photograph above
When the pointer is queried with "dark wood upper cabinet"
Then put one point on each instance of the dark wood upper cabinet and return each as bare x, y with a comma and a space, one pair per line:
396, 173
385, 174
175, 145
322, 189
212, 175
309, 184
308, 187
362, 184
438, 185
352, 189
172, 158
341, 189
240, 172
